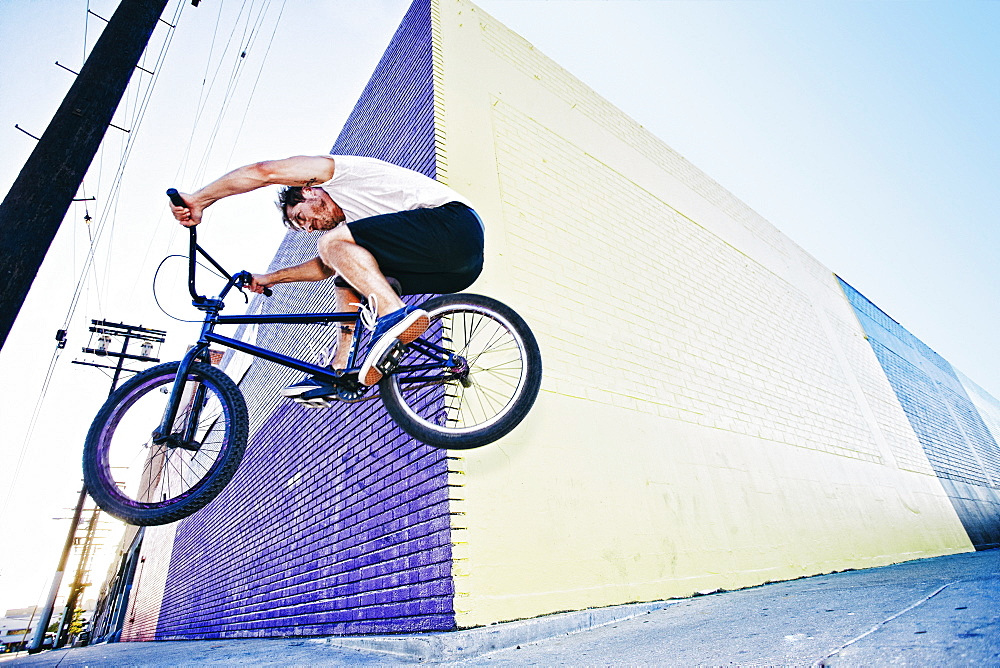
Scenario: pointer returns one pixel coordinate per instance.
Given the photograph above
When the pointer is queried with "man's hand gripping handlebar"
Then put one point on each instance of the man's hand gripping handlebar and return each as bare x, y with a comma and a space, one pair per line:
185, 214
246, 279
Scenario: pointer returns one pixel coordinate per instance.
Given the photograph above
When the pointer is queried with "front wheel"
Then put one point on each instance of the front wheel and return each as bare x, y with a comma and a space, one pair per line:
147, 481
486, 387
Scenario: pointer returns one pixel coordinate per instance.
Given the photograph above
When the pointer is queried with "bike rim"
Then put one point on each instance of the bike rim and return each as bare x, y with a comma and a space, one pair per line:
497, 372
149, 475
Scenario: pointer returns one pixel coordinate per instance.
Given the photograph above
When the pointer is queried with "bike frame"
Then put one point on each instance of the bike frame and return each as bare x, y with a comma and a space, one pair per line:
439, 358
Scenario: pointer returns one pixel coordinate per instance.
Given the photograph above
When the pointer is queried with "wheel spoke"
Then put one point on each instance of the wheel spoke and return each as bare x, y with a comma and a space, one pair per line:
485, 391
143, 476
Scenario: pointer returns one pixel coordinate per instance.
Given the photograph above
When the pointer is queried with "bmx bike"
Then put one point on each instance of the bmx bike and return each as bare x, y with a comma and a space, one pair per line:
170, 439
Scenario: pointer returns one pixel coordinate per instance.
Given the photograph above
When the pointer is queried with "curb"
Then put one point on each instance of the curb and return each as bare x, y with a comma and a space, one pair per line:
469, 643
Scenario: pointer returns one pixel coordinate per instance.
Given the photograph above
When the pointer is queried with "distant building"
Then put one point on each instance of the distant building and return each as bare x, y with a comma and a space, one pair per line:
718, 408
15, 629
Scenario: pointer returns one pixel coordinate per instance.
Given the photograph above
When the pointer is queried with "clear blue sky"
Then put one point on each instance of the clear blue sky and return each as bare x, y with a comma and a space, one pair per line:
865, 131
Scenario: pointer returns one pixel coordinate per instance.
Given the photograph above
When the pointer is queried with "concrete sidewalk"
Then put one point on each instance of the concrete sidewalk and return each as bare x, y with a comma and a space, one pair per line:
933, 612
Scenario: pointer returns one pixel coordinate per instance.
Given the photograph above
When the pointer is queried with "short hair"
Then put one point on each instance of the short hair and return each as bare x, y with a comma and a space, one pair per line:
289, 196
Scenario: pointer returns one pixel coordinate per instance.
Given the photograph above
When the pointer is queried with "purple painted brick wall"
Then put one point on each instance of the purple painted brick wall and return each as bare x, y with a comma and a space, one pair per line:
394, 119
336, 522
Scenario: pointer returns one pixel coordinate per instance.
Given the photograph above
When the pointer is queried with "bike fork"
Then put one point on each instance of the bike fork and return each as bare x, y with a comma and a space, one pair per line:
164, 433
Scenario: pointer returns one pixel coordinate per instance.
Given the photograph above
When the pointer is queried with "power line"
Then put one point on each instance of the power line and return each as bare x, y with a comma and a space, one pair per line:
113, 198
106, 330
32, 213
31, 430
246, 108
237, 69
46, 383
205, 92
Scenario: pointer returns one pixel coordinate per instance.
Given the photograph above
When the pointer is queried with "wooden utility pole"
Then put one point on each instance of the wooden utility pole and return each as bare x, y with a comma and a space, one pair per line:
103, 329
40, 197
64, 632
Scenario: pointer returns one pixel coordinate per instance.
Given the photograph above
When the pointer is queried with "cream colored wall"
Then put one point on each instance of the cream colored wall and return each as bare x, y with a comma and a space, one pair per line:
711, 415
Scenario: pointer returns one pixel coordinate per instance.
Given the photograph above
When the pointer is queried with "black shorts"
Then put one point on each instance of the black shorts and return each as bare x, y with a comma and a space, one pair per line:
429, 251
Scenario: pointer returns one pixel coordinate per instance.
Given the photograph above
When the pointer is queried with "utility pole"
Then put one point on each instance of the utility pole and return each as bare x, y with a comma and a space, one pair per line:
105, 331
34, 208
76, 589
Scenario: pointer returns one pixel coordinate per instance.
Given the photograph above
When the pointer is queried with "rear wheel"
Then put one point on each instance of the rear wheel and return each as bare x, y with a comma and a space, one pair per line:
144, 482
483, 393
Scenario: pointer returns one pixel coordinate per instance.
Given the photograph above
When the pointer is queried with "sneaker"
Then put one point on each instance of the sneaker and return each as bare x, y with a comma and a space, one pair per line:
402, 326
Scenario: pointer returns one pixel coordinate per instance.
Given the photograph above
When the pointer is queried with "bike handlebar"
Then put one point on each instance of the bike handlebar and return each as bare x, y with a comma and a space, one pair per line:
175, 197
240, 279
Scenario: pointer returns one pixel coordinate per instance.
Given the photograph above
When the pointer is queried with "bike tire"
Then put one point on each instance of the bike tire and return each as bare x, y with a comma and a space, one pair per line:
502, 377
147, 484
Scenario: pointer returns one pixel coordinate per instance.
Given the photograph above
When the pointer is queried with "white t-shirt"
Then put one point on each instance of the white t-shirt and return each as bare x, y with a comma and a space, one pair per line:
364, 187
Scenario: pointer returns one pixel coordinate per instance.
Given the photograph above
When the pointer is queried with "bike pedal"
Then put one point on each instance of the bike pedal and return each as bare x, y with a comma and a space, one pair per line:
318, 398
318, 402
392, 357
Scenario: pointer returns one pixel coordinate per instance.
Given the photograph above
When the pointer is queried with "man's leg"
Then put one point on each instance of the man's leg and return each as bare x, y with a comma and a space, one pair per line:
358, 267
396, 321
346, 300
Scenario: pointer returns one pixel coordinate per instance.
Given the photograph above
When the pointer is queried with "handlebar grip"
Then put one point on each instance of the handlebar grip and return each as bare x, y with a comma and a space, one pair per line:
246, 278
175, 197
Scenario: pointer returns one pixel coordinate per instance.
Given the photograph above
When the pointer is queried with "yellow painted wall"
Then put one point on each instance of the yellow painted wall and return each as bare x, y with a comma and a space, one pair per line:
710, 416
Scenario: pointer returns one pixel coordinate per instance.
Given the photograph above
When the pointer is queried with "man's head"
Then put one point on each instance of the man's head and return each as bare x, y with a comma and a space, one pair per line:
309, 209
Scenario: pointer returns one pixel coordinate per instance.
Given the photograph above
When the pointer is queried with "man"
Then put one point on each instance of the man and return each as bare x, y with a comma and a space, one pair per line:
377, 220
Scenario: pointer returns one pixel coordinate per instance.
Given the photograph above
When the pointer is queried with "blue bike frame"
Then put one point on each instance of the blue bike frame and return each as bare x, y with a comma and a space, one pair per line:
441, 359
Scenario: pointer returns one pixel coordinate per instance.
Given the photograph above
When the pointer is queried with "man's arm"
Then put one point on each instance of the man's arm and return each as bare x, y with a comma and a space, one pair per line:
312, 270
302, 170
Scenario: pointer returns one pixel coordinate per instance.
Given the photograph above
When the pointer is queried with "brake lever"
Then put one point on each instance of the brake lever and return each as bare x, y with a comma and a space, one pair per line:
246, 278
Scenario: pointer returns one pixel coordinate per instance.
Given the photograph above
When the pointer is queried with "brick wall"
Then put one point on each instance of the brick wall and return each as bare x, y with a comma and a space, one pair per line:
336, 522
143, 608
956, 421
710, 415
732, 344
